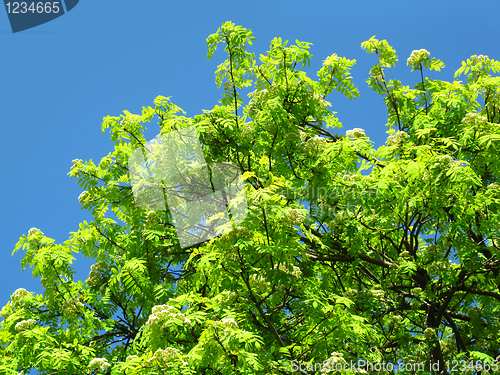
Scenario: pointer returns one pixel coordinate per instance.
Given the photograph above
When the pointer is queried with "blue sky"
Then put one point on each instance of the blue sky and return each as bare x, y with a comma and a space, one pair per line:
60, 79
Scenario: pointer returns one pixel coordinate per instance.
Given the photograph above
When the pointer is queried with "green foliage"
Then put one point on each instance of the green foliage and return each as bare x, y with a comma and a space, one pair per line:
392, 260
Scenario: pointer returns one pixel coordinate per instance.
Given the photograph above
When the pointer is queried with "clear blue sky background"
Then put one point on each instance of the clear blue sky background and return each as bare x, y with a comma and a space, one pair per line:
60, 79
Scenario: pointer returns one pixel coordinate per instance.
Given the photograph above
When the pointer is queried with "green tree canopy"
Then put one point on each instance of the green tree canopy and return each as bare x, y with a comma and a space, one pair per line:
347, 253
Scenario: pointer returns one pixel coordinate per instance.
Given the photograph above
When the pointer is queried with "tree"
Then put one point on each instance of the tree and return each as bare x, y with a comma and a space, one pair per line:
394, 259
